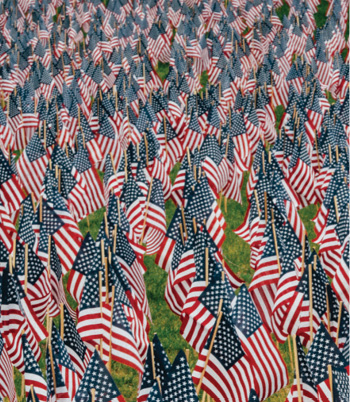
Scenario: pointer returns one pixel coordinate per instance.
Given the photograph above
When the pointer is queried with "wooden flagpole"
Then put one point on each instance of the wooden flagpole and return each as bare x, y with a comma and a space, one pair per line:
210, 346
328, 312
330, 377
339, 319
303, 253
62, 320
25, 268
51, 355
275, 241
146, 212
310, 303
206, 262
109, 365
296, 362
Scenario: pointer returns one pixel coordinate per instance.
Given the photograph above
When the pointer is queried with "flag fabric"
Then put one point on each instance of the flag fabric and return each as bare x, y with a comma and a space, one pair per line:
269, 368
105, 390
32, 373
324, 352
228, 358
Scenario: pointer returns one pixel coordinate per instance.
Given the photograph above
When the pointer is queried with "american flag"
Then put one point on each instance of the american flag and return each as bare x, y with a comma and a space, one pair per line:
224, 354
156, 357
154, 222
269, 368
89, 324
105, 390
324, 352
59, 223
86, 260
134, 270
303, 380
178, 382
94, 189
11, 193
32, 373
118, 340
77, 350
7, 386
14, 321
31, 166
66, 379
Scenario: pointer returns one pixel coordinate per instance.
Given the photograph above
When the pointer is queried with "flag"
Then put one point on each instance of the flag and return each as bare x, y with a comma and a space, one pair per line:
228, 373
269, 368
7, 386
86, 259
154, 223
323, 352
32, 373
77, 350
118, 340
105, 391
178, 383
11, 193
157, 358
307, 386
31, 166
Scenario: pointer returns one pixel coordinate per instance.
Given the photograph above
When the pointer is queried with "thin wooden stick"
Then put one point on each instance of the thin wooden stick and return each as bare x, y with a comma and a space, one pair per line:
146, 212
100, 290
184, 221
25, 268
115, 238
51, 355
152, 358
303, 253
328, 312
62, 320
290, 351
106, 224
32, 392
210, 346
257, 202
339, 320
93, 394
336, 208
109, 364
106, 280
330, 377
297, 373
275, 241
310, 303
206, 262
